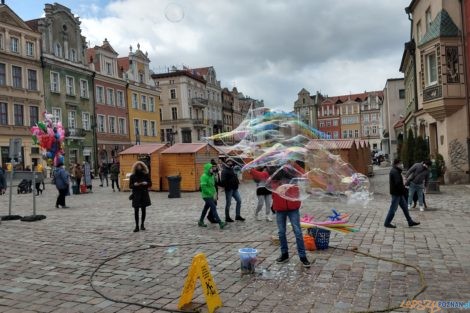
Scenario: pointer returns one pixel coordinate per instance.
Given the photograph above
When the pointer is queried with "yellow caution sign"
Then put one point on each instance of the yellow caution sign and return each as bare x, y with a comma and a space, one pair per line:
200, 269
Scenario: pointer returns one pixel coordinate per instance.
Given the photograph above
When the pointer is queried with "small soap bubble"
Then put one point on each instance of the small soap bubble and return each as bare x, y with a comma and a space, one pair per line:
174, 12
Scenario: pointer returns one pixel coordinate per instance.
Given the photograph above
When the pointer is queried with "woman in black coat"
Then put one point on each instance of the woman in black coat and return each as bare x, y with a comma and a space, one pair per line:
140, 182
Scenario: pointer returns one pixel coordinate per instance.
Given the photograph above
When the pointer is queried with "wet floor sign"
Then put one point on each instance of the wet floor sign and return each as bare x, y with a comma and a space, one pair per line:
200, 270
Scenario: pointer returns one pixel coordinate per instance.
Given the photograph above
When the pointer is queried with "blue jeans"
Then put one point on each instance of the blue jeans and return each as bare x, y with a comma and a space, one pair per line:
397, 200
294, 217
415, 188
229, 193
209, 203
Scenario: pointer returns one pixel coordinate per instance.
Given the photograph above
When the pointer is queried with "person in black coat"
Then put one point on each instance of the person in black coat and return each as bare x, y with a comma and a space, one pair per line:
140, 182
397, 190
230, 182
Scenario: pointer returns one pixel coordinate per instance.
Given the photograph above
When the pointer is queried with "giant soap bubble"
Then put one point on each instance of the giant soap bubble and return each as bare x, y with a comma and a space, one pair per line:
302, 162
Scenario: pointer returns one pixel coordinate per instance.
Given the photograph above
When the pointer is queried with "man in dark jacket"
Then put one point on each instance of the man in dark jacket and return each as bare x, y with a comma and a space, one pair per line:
230, 182
418, 176
397, 190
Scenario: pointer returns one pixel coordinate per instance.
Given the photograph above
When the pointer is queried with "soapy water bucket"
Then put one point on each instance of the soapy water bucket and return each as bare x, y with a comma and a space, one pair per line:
247, 260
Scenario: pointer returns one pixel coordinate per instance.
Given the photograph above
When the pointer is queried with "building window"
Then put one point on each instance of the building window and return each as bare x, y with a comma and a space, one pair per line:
112, 124
1, 41
122, 126
160, 112
162, 135
172, 94
69, 86
14, 45
19, 115
335, 135
151, 104
3, 113
428, 18
56, 115
99, 94
335, 122
72, 119
136, 127
153, 129
86, 120
366, 117
366, 131
328, 123
16, 76
3, 74
145, 127
110, 96
431, 69
374, 130
350, 133
356, 133
101, 123
33, 115
109, 68
58, 50
30, 48
143, 100
135, 101
55, 82
83, 88
120, 98
174, 113
32, 80
345, 134
401, 93
141, 77
73, 55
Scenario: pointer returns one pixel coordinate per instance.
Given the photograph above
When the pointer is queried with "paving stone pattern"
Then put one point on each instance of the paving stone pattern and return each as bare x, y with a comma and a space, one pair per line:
45, 266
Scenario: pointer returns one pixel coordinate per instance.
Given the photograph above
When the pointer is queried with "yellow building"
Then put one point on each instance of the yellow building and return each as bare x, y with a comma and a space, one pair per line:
350, 119
143, 98
21, 86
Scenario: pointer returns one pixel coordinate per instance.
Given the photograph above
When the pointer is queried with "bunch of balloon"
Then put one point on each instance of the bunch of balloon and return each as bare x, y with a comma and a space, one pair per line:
50, 137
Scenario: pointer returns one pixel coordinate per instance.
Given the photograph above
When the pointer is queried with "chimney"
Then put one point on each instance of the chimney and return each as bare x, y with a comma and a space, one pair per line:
3, 2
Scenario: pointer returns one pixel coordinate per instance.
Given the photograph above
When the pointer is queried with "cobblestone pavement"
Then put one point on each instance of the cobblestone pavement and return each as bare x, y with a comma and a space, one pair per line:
45, 266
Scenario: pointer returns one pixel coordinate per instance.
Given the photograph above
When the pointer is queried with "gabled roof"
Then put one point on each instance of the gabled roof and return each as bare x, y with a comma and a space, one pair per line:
328, 144
441, 26
144, 149
303, 91
6, 11
186, 148
107, 47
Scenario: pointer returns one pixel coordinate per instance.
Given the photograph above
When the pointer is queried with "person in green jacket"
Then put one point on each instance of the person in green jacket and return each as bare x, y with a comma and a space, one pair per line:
208, 193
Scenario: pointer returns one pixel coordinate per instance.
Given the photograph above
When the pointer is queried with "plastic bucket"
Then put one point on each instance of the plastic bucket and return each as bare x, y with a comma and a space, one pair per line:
247, 260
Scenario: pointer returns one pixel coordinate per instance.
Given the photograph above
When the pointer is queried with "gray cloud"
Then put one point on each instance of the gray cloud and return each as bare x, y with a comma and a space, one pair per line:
269, 48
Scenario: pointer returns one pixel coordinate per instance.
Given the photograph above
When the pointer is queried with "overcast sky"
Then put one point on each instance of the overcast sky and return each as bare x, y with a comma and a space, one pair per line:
268, 49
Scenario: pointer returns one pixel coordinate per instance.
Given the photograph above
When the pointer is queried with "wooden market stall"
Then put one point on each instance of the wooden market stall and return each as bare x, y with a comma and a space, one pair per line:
186, 160
227, 152
150, 154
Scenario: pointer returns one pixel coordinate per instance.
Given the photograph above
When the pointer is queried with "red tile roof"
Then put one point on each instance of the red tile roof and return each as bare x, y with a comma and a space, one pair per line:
187, 73
144, 149
201, 70
124, 63
186, 148
342, 144
357, 96
34, 24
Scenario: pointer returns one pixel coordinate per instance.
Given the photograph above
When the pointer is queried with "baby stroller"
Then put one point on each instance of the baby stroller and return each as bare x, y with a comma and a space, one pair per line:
25, 186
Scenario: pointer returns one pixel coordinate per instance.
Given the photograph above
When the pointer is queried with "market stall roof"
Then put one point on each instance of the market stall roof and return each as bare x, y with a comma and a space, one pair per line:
330, 144
185, 148
144, 149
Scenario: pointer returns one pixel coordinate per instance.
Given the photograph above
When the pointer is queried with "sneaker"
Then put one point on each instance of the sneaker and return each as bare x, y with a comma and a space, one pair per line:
222, 225
283, 258
390, 226
413, 223
305, 262
239, 218
229, 220
201, 224
142, 227
136, 229
269, 218
421, 209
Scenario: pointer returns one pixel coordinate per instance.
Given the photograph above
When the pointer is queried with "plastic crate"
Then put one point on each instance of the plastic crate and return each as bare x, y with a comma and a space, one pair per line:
322, 237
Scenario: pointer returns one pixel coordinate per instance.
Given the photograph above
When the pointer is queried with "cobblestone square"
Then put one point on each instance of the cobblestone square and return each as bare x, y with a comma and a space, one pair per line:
46, 266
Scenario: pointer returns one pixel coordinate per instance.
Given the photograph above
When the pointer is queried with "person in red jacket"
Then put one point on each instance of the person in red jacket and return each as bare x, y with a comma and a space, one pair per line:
285, 208
264, 195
